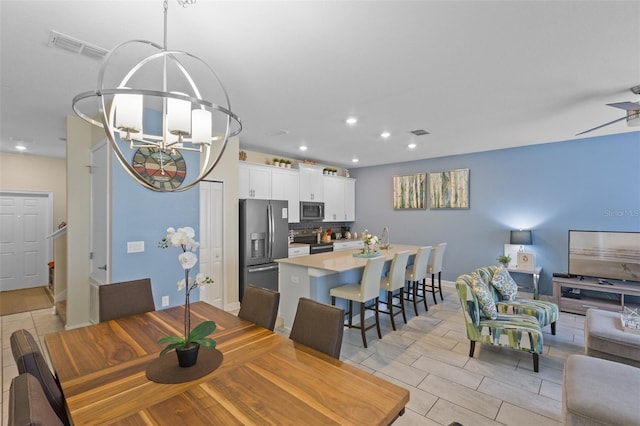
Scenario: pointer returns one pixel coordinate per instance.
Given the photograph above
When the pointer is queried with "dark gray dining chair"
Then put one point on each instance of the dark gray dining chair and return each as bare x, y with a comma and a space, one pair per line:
28, 405
29, 359
125, 298
260, 306
319, 326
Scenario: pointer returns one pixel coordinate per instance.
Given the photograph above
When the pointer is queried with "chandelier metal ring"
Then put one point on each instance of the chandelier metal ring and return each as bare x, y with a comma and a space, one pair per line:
107, 118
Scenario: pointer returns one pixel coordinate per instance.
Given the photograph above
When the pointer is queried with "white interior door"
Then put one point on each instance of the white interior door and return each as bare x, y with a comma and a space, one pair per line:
25, 222
211, 242
99, 213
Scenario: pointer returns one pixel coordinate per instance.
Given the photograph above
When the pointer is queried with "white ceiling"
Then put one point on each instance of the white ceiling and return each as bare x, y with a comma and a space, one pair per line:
477, 75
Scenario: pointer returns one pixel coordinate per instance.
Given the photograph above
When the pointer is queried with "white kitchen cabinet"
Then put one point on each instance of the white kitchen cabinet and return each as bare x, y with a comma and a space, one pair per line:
285, 185
348, 245
254, 181
299, 251
339, 199
333, 199
349, 200
311, 183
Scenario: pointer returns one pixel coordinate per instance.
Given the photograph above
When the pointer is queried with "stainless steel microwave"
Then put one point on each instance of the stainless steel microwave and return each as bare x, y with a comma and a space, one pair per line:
311, 210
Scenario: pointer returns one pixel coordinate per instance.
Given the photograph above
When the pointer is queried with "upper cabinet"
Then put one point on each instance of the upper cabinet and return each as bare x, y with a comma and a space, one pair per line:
255, 181
339, 199
311, 183
349, 200
307, 183
285, 185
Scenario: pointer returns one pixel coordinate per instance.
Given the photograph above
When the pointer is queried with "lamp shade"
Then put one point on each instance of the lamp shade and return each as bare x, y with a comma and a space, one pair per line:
129, 112
522, 238
201, 126
178, 116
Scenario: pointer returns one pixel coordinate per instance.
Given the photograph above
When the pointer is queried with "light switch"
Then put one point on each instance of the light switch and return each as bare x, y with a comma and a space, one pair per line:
135, 246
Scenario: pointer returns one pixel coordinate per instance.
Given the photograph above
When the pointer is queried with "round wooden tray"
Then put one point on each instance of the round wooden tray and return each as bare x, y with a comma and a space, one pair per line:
165, 369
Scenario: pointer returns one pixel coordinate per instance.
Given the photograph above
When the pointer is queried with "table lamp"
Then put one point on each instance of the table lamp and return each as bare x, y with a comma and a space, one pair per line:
525, 261
520, 238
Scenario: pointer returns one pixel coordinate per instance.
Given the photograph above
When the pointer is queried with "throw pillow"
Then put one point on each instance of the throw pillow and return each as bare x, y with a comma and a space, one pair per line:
505, 285
484, 296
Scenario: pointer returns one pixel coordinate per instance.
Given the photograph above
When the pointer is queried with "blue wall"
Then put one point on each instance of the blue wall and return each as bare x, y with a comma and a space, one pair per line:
140, 214
591, 184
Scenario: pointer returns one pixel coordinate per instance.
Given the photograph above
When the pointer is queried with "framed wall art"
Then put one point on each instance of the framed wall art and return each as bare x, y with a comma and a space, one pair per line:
409, 191
449, 189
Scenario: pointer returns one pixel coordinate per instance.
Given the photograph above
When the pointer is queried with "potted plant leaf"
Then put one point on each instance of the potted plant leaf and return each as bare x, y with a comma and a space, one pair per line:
505, 259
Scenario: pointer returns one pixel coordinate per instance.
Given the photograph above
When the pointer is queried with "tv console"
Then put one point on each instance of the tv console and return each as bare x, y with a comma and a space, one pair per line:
577, 302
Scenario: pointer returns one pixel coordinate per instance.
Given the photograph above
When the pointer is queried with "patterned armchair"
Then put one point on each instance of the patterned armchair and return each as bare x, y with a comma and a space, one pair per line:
545, 312
517, 331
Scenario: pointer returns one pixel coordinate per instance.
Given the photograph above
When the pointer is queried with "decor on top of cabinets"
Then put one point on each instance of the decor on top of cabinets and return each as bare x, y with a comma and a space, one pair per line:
449, 189
409, 191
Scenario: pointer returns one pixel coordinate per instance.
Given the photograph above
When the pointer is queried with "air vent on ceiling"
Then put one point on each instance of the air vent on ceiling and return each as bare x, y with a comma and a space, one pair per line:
419, 132
71, 44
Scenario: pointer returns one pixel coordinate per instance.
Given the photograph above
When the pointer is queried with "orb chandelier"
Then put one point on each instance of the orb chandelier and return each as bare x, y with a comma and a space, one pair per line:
158, 121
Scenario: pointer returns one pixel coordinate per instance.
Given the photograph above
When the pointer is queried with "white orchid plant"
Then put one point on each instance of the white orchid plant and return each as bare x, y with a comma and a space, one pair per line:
370, 242
184, 238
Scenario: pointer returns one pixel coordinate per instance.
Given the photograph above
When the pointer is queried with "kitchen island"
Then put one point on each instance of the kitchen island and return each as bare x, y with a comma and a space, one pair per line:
313, 276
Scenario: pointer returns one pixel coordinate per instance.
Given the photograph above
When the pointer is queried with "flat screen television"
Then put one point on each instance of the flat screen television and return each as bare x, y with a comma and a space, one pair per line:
605, 254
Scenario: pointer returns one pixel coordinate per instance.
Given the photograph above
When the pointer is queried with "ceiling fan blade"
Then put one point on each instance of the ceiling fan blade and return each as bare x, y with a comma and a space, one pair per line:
629, 106
601, 126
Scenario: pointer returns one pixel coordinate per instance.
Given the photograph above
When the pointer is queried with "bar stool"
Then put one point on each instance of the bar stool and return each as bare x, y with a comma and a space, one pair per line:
368, 289
395, 281
416, 273
435, 266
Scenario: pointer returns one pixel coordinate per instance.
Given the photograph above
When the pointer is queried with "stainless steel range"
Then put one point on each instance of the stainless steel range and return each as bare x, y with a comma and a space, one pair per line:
313, 239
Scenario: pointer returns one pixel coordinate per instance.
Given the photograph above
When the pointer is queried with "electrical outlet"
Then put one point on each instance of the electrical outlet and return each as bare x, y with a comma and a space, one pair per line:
165, 300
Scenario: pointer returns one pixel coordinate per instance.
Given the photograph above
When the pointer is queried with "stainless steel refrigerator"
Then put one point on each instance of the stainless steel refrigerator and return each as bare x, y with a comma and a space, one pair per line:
264, 230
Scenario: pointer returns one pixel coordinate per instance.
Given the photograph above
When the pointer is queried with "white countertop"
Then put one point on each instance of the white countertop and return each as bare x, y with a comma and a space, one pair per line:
340, 261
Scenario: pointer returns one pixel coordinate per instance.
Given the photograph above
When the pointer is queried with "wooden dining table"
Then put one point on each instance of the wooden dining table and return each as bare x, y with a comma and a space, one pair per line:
264, 377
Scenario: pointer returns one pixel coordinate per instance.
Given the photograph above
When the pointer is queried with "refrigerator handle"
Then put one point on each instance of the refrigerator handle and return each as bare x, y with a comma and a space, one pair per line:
271, 226
262, 268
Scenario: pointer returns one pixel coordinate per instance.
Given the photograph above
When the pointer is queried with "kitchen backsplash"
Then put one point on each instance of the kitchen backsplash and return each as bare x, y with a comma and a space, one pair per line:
323, 225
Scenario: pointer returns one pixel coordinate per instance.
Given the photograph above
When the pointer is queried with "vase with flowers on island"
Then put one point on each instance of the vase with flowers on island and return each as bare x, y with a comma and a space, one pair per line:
187, 345
371, 243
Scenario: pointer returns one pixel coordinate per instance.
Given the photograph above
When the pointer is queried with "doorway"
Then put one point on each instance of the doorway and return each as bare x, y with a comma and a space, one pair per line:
212, 241
25, 221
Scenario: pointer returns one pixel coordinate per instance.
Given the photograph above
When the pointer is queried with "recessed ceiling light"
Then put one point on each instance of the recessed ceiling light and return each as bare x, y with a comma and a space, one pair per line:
20, 147
411, 145
354, 160
385, 135
351, 121
303, 147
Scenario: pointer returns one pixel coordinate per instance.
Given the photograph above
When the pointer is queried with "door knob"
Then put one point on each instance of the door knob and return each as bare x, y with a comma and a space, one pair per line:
104, 268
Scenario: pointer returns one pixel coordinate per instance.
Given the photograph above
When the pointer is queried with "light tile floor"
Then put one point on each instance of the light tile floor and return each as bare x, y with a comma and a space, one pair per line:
429, 357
